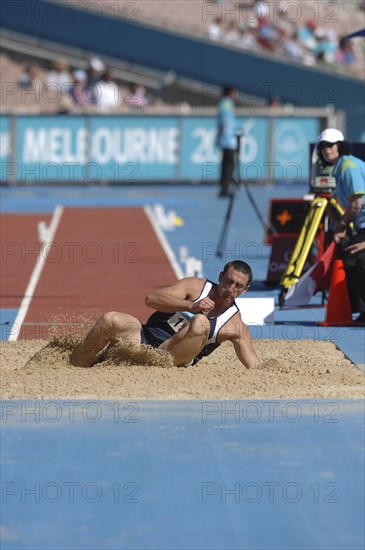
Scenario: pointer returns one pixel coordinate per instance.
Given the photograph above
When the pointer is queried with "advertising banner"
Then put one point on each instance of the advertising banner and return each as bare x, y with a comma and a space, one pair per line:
133, 149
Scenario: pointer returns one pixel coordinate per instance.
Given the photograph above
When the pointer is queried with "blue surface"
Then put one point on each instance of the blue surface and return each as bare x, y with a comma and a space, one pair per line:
351, 340
273, 475
7, 318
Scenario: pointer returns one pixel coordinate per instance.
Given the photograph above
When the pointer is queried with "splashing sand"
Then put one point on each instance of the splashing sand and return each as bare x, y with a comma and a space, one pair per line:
58, 350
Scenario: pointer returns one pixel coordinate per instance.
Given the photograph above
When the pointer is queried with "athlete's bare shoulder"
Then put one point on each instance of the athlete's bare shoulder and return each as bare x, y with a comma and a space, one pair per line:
191, 285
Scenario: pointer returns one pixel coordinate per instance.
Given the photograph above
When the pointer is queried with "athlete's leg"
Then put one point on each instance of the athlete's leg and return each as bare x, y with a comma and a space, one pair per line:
189, 341
111, 326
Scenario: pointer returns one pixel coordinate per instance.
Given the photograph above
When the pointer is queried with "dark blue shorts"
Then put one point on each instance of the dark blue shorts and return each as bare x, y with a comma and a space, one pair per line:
154, 336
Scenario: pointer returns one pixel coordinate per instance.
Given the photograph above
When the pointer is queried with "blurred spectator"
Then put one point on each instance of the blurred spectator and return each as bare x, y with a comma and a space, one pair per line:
27, 76
293, 48
60, 76
94, 73
215, 29
282, 8
345, 54
231, 34
79, 91
247, 39
65, 104
274, 101
267, 34
137, 97
306, 34
262, 10
325, 47
107, 93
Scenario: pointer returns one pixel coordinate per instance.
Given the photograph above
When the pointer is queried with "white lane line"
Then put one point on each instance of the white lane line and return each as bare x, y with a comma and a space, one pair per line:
36, 273
164, 243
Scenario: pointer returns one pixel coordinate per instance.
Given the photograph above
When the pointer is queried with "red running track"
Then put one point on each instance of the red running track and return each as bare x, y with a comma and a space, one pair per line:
19, 250
99, 260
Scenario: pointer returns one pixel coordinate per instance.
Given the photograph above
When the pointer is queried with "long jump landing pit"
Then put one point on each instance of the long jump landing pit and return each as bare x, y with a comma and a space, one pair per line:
39, 369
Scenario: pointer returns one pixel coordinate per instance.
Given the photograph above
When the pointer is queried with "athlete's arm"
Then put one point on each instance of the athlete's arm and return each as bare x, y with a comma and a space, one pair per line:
179, 297
245, 352
237, 332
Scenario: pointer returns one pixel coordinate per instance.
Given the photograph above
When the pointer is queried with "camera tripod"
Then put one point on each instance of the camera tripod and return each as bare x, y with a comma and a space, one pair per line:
236, 184
321, 206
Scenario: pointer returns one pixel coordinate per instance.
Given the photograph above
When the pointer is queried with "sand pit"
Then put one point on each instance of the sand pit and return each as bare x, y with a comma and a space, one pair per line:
40, 369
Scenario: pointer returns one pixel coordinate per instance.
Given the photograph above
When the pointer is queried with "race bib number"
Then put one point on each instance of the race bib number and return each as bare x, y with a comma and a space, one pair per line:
179, 320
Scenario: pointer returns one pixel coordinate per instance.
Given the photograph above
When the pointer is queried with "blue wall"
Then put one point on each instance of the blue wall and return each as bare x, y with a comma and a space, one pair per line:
200, 60
141, 148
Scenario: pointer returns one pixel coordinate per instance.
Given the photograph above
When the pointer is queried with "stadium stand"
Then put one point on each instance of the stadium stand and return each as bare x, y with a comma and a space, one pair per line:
272, 24
159, 60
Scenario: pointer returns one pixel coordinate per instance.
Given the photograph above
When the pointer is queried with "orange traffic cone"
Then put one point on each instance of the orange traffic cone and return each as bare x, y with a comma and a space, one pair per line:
338, 311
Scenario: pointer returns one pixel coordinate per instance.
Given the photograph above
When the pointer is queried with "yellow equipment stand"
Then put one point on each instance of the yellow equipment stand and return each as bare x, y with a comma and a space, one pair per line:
320, 205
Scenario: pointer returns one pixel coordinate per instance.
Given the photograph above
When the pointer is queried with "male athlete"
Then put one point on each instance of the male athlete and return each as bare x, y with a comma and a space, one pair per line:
192, 318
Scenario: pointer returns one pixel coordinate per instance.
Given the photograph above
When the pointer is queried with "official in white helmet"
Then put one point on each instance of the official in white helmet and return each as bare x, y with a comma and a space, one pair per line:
349, 172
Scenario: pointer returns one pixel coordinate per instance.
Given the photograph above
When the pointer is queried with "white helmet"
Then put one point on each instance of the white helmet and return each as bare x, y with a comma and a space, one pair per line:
331, 135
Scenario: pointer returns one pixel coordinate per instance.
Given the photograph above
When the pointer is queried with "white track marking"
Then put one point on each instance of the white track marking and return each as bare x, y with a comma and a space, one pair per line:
163, 242
36, 273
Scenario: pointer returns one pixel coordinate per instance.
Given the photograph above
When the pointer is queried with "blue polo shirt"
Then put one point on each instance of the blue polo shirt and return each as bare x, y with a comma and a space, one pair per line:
227, 120
350, 180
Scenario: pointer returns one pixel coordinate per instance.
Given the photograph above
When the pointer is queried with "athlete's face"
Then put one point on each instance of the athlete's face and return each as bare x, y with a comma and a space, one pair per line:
232, 284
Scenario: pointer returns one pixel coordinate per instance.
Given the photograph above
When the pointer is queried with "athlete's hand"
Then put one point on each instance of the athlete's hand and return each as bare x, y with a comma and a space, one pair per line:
206, 305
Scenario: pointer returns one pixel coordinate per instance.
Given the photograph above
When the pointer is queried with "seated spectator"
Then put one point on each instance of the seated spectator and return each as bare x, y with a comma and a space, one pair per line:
94, 74
60, 76
306, 34
247, 39
267, 34
79, 91
137, 96
231, 34
325, 47
293, 48
26, 78
107, 93
274, 101
215, 29
345, 54
262, 10
65, 104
